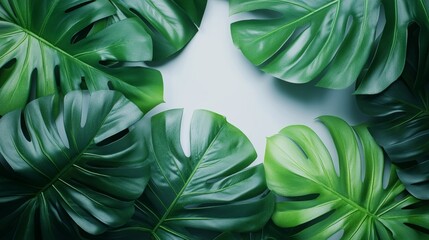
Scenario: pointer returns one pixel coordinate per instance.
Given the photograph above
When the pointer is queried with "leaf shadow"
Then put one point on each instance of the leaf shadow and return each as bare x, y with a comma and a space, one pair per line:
304, 93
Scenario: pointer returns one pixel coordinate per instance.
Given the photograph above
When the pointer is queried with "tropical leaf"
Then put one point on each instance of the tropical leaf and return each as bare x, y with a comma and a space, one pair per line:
388, 61
171, 23
269, 232
358, 201
71, 165
331, 41
200, 196
401, 124
46, 46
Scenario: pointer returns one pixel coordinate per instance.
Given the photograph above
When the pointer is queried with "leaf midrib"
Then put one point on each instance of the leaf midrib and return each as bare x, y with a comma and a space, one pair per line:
178, 196
294, 22
74, 59
73, 161
64, 170
333, 191
344, 198
347, 200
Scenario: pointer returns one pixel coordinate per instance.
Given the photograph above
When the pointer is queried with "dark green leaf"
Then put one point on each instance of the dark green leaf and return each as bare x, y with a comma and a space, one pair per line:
200, 196
300, 168
69, 165
171, 23
401, 123
45, 46
269, 232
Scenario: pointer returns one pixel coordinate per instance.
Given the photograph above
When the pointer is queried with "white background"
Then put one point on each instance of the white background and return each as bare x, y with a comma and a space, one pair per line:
211, 73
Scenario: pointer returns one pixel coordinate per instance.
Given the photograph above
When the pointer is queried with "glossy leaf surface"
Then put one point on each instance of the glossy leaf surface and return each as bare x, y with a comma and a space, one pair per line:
401, 124
71, 165
330, 41
269, 232
205, 194
389, 60
171, 23
47, 47
321, 203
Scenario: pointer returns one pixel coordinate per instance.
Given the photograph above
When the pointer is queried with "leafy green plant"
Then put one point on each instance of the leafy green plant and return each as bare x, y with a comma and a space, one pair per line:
269, 232
171, 23
401, 124
74, 165
387, 63
70, 165
52, 47
200, 196
321, 203
331, 41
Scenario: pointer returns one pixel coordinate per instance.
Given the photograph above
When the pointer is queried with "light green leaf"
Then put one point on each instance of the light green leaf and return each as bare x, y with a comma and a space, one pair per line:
320, 203
70, 166
200, 196
45, 48
333, 42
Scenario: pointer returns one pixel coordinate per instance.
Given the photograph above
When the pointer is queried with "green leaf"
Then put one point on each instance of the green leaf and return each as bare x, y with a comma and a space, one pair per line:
70, 165
171, 23
331, 41
269, 232
200, 196
328, 39
300, 169
388, 61
45, 47
401, 124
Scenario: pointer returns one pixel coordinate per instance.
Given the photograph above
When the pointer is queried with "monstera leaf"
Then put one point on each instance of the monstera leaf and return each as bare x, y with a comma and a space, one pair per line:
330, 40
171, 23
401, 124
47, 47
269, 232
205, 194
358, 201
71, 165
389, 60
